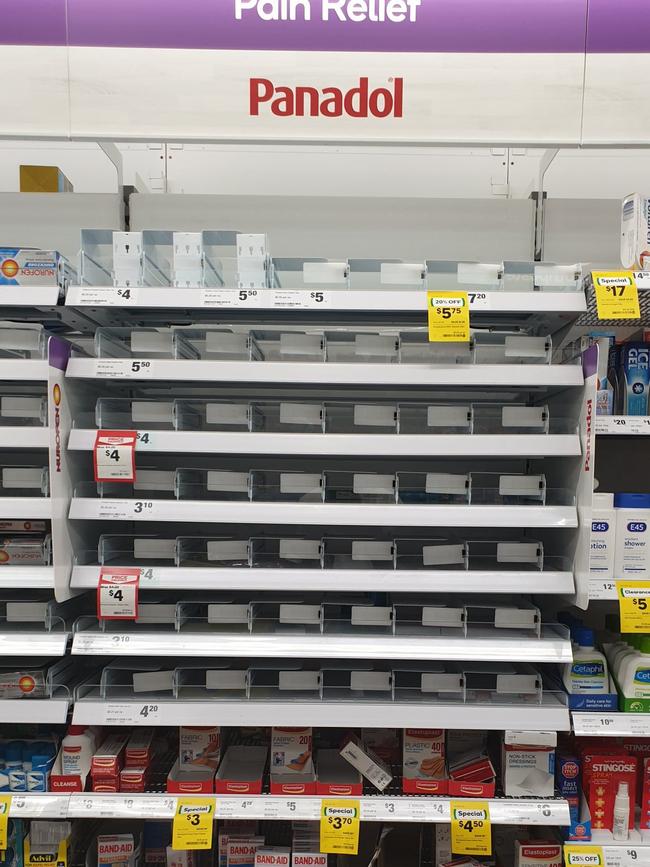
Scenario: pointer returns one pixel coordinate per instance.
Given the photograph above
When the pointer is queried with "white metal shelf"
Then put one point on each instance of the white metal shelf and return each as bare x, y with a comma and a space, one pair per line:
34, 710
28, 643
400, 445
29, 296
622, 425
25, 508
321, 514
26, 577
316, 373
503, 811
609, 724
24, 437
551, 716
46, 805
23, 369
481, 645
347, 300
341, 580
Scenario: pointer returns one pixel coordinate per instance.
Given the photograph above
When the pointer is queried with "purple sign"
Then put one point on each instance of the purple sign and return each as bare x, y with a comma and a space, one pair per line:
499, 26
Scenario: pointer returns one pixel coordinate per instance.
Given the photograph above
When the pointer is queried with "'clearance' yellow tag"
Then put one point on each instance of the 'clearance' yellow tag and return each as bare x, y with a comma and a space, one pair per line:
339, 826
448, 317
192, 827
5, 806
471, 832
583, 856
617, 295
634, 605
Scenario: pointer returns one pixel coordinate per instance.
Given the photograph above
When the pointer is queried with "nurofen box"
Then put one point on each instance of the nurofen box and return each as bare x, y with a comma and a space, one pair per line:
291, 751
601, 774
27, 683
635, 232
272, 856
538, 853
424, 762
32, 267
200, 745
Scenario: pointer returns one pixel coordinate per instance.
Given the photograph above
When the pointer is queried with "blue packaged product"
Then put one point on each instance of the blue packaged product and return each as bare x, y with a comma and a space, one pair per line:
567, 779
17, 780
634, 366
14, 754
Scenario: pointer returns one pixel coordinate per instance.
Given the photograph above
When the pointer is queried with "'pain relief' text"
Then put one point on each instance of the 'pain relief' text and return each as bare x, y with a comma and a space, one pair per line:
354, 11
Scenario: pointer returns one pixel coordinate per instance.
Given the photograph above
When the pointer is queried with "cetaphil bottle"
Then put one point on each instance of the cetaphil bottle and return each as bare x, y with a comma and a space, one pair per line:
588, 671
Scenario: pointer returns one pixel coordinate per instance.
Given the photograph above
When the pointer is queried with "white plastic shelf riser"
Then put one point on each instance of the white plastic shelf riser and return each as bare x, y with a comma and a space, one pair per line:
359, 715
24, 437
321, 514
622, 425
23, 369
609, 724
33, 643
27, 577
345, 300
550, 648
408, 445
25, 508
357, 580
503, 811
33, 710
165, 370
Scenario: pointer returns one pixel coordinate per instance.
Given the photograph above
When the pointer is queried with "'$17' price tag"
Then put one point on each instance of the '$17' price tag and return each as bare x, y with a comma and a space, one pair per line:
117, 594
471, 832
192, 826
114, 456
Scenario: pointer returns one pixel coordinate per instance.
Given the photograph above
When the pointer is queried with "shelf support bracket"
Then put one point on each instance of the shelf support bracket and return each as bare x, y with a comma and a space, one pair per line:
539, 197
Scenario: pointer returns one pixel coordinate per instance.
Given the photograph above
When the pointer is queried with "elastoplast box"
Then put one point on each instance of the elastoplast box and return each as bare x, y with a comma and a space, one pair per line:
424, 762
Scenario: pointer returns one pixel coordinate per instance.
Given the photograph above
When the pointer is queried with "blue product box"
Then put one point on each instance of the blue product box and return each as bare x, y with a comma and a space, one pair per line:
635, 377
567, 780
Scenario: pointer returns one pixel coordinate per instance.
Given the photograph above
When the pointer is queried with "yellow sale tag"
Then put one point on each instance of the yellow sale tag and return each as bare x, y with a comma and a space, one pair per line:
583, 856
471, 833
448, 317
5, 806
193, 820
339, 827
634, 605
617, 296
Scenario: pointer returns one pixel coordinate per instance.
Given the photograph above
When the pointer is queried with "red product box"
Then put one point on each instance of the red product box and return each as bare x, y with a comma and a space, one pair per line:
602, 773
134, 779
645, 795
423, 765
241, 771
109, 758
190, 781
106, 784
472, 777
293, 784
138, 749
336, 776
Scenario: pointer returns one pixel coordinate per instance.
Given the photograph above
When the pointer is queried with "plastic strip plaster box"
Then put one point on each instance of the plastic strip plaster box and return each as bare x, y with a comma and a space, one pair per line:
424, 768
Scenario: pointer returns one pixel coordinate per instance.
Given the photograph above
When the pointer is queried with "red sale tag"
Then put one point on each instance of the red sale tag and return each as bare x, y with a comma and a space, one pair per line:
114, 455
117, 594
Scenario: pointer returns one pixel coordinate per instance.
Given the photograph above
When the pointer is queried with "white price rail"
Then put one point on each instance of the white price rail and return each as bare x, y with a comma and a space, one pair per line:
268, 807
506, 811
623, 425
25, 508
103, 296
42, 806
424, 809
601, 588
33, 643
33, 710
626, 855
132, 806
611, 724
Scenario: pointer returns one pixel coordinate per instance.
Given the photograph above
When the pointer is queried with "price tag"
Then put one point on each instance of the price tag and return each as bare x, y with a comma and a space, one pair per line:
634, 605
583, 856
117, 593
471, 832
124, 296
448, 317
302, 298
600, 589
114, 455
193, 821
339, 826
617, 296
479, 300
5, 806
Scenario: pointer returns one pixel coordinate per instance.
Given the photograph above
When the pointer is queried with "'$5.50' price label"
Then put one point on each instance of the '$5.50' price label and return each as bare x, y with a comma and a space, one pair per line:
114, 455
117, 593
193, 822
339, 826
471, 832
634, 605
448, 314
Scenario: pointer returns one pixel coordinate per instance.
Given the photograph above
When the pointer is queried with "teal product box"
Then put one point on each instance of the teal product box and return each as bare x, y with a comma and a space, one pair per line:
634, 367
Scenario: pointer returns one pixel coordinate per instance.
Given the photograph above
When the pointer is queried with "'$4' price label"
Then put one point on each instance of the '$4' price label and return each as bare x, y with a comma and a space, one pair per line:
117, 594
114, 456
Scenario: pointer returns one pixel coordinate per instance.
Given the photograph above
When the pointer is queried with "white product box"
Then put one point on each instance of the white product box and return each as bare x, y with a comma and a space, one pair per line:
423, 758
291, 751
200, 745
367, 763
443, 843
602, 542
241, 853
309, 859
272, 856
538, 853
528, 769
234, 829
115, 849
635, 232
180, 857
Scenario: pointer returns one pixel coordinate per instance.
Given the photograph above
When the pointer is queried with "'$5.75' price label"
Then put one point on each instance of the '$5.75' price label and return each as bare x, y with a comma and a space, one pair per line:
339, 826
634, 605
471, 832
193, 822
448, 314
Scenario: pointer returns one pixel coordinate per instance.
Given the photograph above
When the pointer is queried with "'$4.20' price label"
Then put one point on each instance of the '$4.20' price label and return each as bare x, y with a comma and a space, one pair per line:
634, 605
